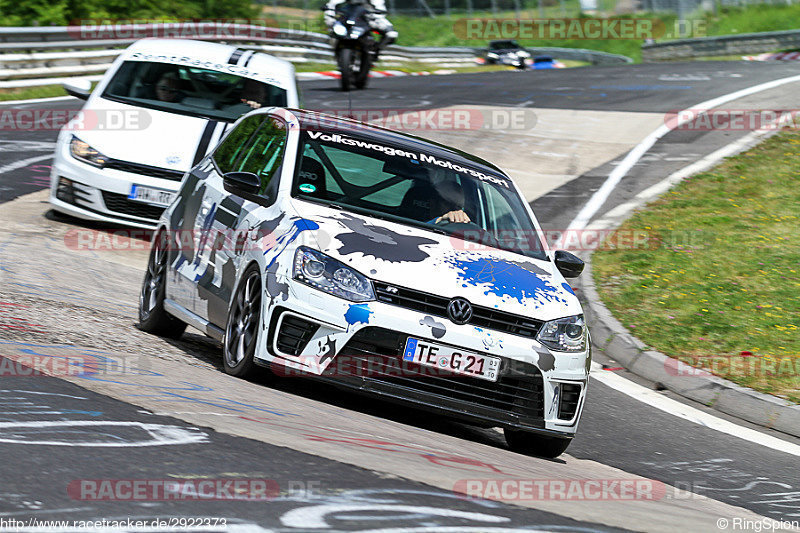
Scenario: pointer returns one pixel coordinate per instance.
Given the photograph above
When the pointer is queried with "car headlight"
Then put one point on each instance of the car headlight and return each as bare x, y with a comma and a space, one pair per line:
492, 55
87, 154
523, 53
339, 29
565, 334
329, 275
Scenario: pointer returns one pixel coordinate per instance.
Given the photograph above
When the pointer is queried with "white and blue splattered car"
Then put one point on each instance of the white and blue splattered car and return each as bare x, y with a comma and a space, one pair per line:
378, 261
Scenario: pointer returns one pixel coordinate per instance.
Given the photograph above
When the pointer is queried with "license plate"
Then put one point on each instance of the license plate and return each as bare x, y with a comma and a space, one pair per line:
451, 359
151, 196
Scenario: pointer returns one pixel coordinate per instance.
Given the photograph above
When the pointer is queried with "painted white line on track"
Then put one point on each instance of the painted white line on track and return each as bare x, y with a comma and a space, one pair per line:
681, 410
601, 195
614, 215
24, 163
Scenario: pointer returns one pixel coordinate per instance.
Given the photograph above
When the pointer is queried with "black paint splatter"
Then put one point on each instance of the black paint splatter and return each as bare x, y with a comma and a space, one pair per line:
547, 361
275, 289
437, 328
327, 349
380, 242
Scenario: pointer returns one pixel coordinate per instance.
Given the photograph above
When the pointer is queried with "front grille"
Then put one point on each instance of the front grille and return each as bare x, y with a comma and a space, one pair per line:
570, 396
437, 305
119, 203
374, 355
144, 170
294, 334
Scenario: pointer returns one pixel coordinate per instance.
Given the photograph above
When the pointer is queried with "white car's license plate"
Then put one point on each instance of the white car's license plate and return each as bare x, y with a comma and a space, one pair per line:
151, 196
451, 359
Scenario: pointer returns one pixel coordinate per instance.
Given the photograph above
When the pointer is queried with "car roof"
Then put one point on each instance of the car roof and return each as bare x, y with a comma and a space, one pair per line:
348, 126
214, 53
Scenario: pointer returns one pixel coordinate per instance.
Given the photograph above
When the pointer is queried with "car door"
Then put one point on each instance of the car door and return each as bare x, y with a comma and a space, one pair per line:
230, 228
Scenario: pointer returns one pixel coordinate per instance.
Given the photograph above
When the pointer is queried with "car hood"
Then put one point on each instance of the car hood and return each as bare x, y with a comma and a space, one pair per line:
146, 136
440, 264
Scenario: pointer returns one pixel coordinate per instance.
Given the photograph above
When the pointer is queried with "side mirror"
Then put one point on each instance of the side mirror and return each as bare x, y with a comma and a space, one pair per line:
80, 88
568, 264
244, 184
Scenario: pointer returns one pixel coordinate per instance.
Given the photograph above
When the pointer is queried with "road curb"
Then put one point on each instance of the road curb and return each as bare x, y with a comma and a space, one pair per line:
615, 340
610, 336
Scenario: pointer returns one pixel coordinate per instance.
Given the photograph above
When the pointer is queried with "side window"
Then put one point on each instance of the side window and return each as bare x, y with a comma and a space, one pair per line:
255, 146
230, 150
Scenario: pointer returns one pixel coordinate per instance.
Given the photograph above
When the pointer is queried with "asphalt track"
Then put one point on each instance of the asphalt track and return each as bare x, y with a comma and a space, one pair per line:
616, 430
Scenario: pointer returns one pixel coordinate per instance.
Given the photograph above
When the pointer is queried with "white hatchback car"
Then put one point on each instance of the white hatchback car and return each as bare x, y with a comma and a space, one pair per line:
159, 109
377, 261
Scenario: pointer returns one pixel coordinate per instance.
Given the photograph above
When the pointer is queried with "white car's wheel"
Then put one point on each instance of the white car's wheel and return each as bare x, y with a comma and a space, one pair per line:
244, 325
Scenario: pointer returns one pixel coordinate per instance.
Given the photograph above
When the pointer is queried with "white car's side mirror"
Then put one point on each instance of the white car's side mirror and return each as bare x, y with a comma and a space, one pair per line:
80, 88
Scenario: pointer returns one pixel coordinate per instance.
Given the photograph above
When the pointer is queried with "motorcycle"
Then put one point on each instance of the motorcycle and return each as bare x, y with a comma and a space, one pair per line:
355, 45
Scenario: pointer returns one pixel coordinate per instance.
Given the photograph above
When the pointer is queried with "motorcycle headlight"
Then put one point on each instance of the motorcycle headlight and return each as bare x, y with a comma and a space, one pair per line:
87, 154
339, 29
329, 275
565, 334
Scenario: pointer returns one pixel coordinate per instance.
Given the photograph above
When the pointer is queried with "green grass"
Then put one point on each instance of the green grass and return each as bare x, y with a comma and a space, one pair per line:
752, 19
28, 93
725, 276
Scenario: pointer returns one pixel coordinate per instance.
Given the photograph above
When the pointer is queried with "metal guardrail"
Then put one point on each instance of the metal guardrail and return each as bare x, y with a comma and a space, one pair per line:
35, 54
726, 45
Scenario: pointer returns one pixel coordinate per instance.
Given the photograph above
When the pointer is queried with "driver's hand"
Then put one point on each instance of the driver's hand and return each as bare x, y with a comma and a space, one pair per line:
251, 103
454, 216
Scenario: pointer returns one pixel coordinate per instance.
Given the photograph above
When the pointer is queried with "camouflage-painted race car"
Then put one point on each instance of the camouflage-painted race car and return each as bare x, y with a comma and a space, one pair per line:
378, 261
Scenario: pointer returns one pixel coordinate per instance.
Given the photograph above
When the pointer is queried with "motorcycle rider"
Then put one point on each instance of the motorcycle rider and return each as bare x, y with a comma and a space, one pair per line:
377, 21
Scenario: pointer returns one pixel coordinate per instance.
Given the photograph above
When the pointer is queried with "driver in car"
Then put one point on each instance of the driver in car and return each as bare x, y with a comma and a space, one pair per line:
167, 88
450, 200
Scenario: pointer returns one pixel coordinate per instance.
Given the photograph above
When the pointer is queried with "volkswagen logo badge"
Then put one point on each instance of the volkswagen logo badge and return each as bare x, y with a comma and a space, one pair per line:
459, 311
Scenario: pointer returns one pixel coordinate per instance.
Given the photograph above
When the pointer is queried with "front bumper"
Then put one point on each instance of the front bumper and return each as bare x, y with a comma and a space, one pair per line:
101, 194
310, 333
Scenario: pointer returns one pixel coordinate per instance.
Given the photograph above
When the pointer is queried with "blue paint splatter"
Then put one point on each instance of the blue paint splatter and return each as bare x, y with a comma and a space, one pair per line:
298, 226
506, 279
357, 314
568, 288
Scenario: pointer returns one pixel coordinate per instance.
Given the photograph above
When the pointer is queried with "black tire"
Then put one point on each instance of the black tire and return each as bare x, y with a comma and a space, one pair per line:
243, 327
362, 77
152, 316
346, 68
533, 444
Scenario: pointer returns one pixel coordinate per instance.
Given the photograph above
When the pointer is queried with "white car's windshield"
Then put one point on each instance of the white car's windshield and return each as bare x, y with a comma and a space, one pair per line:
190, 90
415, 188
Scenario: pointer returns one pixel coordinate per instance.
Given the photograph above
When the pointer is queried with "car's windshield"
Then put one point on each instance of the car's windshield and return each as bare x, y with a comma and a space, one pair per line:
503, 45
414, 188
190, 90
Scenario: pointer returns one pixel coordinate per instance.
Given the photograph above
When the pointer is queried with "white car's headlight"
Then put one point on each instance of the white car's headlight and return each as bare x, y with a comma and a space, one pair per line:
87, 154
329, 275
565, 334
